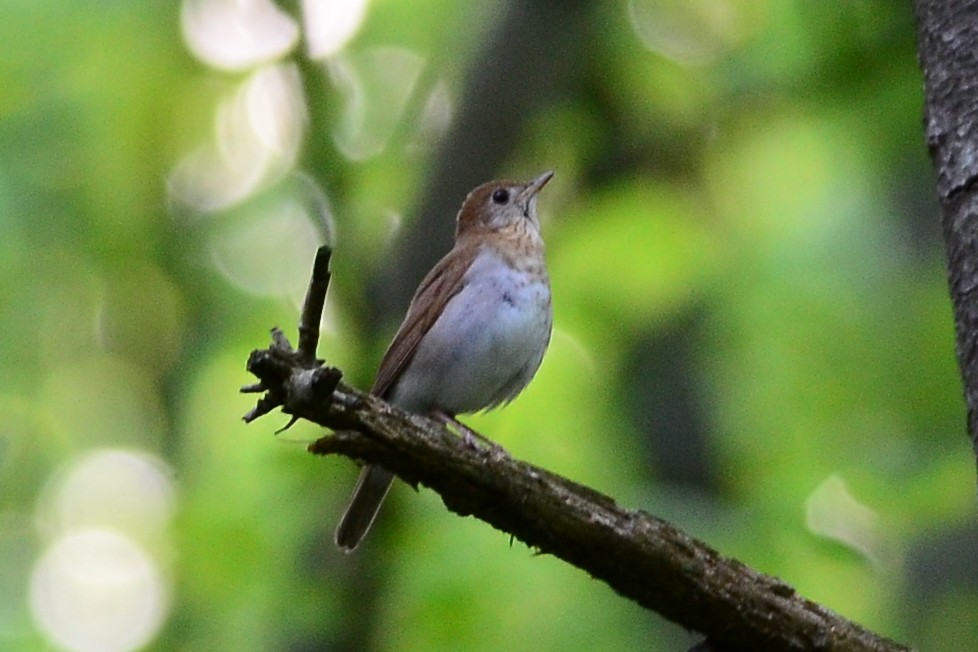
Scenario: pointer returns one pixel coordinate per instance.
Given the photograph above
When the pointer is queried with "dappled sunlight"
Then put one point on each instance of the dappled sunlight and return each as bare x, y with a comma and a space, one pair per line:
257, 136
692, 33
98, 591
436, 117
276, 112
207, 181
237, 34
101, 583
124, 490
266, 251
330, 24
377, 84
833, 512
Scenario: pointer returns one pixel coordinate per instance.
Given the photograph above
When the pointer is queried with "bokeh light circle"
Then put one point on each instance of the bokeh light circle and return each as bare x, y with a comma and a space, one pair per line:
97, 591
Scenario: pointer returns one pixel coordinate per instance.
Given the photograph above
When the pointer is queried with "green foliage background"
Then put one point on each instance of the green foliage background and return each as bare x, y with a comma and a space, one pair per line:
766, 203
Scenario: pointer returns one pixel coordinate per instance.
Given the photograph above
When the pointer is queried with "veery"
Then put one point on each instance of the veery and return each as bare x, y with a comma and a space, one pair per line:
475, 332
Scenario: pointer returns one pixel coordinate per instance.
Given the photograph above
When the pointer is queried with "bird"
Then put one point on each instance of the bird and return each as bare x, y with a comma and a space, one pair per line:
475, 331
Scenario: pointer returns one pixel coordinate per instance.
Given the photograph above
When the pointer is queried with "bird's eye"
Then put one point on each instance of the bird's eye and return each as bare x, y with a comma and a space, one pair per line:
500, 196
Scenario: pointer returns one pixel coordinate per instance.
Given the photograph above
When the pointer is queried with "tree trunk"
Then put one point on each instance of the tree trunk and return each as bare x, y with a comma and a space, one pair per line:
947, 32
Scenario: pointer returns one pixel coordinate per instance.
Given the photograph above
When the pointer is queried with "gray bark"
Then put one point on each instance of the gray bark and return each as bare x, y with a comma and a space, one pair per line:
948, 49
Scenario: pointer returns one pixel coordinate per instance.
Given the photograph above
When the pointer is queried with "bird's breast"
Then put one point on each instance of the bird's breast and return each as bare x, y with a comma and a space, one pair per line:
488, 342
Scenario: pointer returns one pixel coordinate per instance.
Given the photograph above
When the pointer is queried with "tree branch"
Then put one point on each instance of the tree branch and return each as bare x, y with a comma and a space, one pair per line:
638, 555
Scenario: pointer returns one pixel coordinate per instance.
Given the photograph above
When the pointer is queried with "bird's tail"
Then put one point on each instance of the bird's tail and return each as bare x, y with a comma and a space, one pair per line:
367, 498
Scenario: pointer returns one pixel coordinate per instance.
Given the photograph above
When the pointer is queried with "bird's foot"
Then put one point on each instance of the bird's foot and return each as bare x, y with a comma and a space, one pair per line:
470, 437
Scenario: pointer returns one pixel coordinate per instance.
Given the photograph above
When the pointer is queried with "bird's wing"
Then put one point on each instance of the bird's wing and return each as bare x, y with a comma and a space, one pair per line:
443, 282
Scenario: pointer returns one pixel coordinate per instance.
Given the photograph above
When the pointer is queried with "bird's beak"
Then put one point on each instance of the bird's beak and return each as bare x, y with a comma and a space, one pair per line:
536, 185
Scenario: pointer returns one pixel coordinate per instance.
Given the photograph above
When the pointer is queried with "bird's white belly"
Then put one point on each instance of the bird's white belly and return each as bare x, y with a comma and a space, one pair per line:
485, 347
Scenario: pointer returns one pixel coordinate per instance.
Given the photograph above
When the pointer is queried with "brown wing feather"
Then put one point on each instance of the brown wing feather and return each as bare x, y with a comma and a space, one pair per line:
442, 283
